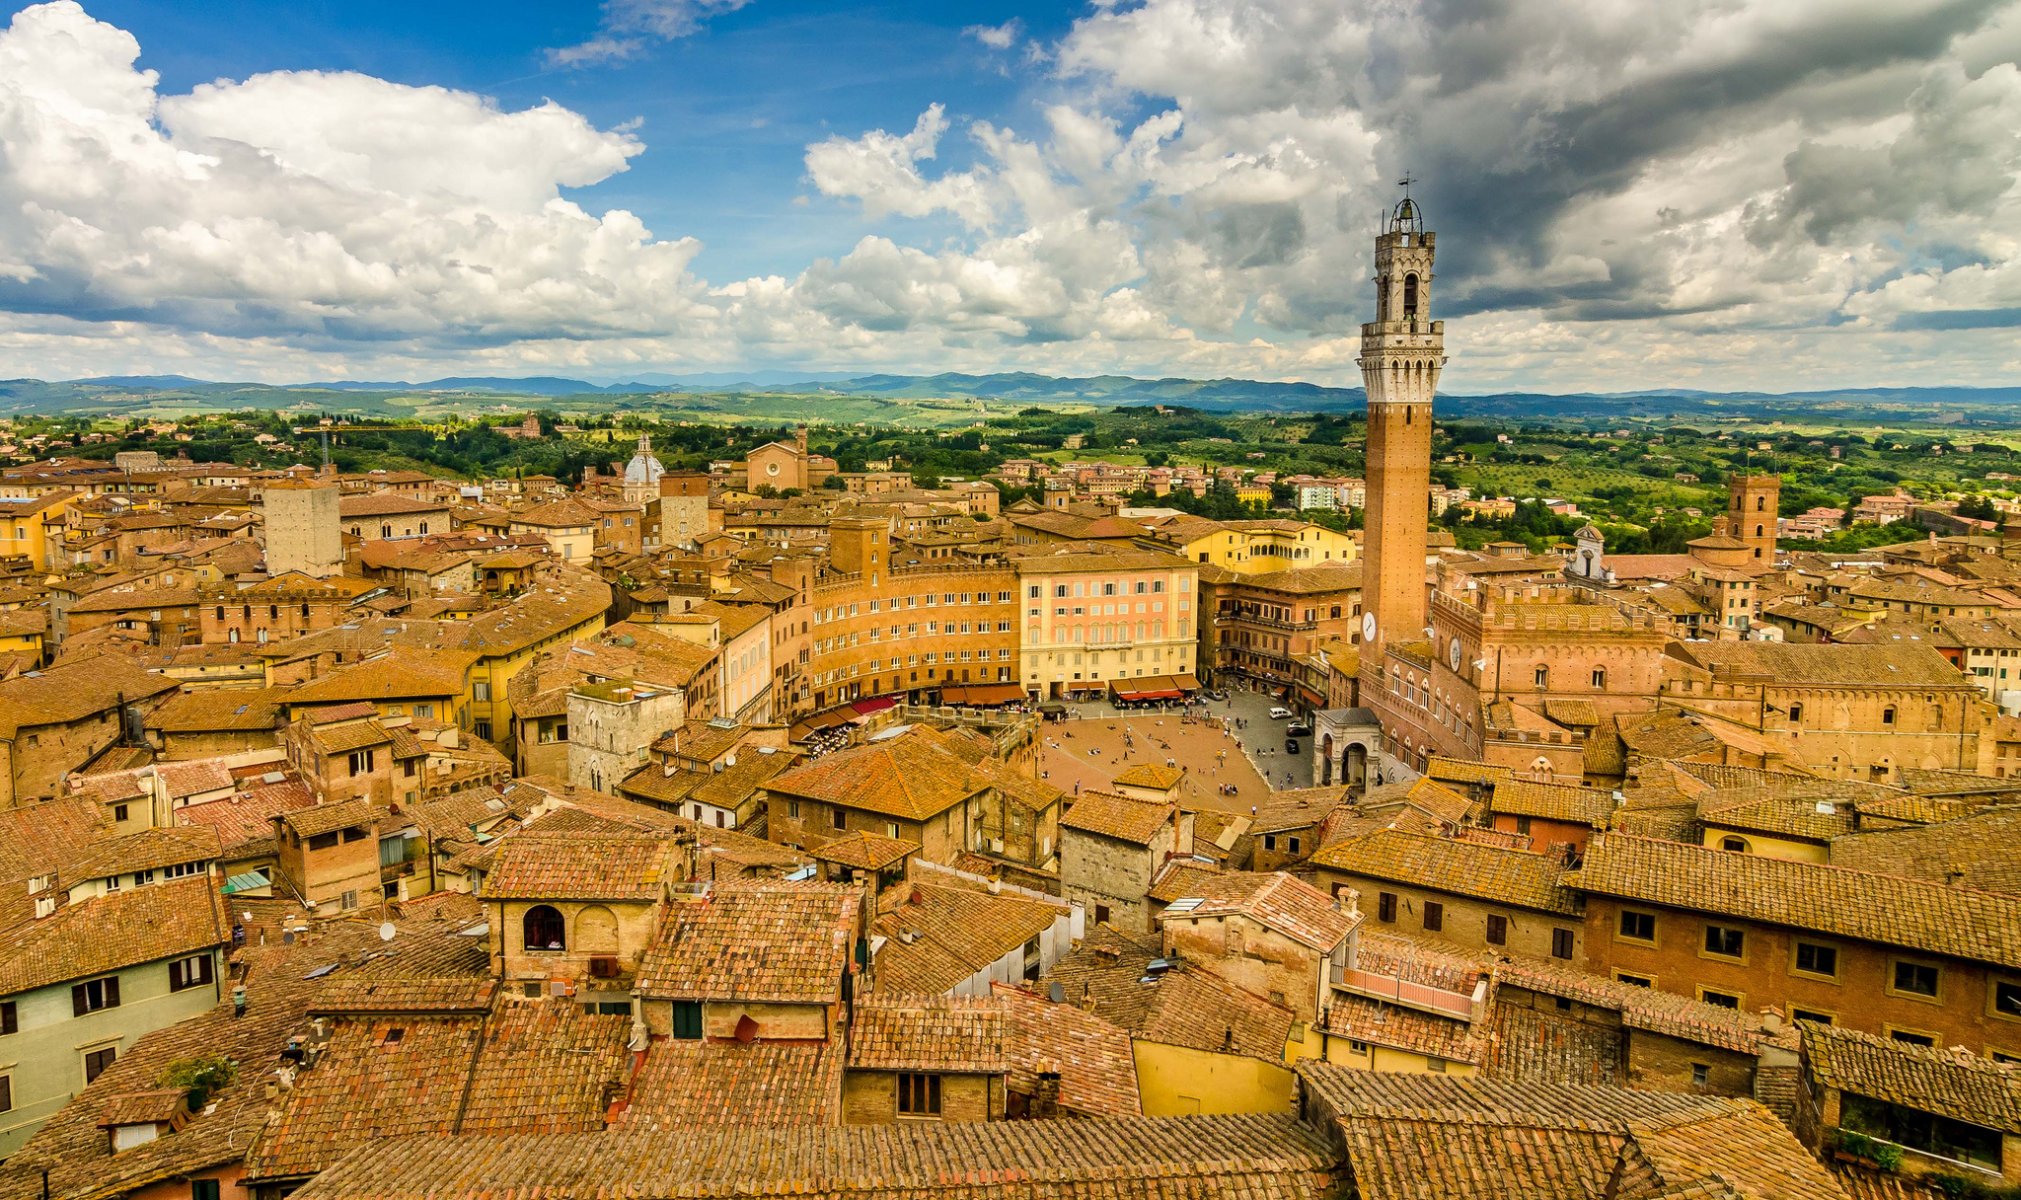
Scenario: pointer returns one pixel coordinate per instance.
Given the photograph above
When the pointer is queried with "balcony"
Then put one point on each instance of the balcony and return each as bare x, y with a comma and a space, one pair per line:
1422, 997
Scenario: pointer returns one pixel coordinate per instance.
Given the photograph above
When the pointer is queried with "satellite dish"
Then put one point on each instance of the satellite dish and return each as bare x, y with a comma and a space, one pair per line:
385, 931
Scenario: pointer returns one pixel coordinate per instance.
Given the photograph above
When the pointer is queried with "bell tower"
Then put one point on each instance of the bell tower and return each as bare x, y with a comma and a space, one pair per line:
1402, 351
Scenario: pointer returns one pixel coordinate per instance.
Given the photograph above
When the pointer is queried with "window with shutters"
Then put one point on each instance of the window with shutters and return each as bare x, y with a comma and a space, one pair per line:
1561, 943
95, 1061
1498, 930
189, 972
1385, 906
918, 1095
6, 1092
95, 994
688, 1020
203, 1189
1435, 916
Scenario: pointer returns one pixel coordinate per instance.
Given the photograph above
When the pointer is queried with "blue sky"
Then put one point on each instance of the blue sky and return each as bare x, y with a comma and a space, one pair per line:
1721, 194
726, 114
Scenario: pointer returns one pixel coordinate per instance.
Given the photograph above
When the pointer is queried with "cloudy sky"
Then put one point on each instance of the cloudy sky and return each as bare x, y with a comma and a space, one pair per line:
1720, 194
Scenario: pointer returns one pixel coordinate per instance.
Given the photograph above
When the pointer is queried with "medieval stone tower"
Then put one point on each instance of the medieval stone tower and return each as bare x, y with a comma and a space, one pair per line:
1401, 353
1751, 505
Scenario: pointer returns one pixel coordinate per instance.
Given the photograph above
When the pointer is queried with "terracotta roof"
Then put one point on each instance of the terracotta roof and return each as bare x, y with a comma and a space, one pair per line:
1798, 664
244, 823
1364, 1019
537, 865
1253, 1156
1657, 1011
951, 1034
71, 1142
555, 514
348, 736
1123, 818
1817, 814
1184, 1005
1981, 851
1865, 906
1441, 1137
399, 671
324, 818
778, 943
146, 850
40, 838
75, 689
1096, 1067
111, 932
155, 1106
760, 1083
1151, 776
385, 504
1290, 906
1553, 802
1515, 877
939, 936
912, 776
377, 1078
1296, 808
219, 709
1950, 1082
864, 851
546, 1066
355, 994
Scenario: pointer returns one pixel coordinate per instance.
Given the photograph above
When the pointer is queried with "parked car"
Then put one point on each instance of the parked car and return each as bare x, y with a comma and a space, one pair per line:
1215, 694
1280, 713
1291, 745
1298, 729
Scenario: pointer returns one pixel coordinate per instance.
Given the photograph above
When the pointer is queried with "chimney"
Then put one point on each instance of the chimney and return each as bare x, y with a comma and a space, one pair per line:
1046, 1096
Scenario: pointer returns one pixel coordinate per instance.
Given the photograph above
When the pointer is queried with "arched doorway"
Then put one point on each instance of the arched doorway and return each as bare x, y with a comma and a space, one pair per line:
1326, 761
1354, 765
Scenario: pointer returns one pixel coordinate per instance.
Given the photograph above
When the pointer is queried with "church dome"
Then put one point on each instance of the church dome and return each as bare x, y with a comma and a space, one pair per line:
644, 468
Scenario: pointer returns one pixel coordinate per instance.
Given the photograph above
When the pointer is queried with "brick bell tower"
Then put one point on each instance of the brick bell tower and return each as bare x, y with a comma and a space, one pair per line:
1401, 353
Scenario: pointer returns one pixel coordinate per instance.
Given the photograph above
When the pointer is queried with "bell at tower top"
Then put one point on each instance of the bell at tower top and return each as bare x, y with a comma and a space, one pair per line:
1407, 217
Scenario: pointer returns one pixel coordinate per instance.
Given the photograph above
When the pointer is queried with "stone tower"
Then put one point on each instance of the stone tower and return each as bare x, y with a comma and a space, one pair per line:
1752, 502
1401, 353
300, 524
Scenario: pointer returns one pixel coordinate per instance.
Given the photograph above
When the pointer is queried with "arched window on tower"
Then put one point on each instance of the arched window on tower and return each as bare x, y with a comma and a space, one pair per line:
1410, 297
1760, 503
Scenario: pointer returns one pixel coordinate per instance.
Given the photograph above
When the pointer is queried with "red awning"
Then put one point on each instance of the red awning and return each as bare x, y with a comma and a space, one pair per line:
875, 704
830, 719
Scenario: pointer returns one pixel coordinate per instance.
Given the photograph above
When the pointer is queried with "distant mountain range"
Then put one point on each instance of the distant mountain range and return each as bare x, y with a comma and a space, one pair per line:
762, 392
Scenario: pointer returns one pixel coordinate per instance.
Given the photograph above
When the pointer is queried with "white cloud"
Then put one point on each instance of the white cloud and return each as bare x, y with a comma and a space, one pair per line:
997, 37
1734, 193
628, 27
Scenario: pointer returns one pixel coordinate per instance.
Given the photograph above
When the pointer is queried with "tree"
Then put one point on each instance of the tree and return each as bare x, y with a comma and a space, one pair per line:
1978, 508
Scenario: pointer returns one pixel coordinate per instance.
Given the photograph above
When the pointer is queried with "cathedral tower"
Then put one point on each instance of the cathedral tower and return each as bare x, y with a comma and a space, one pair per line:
1401, 353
